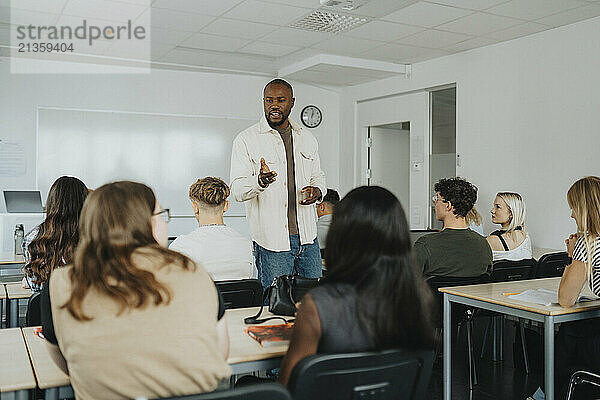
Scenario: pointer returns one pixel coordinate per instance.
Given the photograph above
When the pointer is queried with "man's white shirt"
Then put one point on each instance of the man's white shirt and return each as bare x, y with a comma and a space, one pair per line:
221, 251
266, 208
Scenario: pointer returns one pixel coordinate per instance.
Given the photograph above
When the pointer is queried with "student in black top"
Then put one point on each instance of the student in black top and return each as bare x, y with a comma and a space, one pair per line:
374, 296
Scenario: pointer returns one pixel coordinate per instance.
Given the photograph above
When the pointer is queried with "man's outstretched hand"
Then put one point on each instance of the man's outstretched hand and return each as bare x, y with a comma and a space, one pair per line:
311, 194
266, 176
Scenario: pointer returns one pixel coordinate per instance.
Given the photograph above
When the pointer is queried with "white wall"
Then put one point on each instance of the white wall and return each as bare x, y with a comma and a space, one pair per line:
526, 120
176, 92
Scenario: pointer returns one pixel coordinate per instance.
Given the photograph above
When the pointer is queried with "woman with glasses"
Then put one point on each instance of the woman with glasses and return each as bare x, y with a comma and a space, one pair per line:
132, 318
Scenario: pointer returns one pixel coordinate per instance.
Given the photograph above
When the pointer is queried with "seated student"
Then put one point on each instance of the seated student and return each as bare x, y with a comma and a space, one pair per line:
512, 242
51, 244
455, 251
374, 297
131, 318
324, 212
577, 344
224, 253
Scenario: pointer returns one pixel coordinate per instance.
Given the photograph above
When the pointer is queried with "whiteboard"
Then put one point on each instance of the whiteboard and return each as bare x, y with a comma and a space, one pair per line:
166, 152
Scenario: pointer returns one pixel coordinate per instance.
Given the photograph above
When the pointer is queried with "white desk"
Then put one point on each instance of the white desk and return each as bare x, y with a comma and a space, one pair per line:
490, 296
14, 293
245, 354
538, 252
16, 376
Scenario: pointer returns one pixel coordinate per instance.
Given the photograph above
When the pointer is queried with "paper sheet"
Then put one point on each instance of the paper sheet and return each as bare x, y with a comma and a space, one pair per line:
544, 297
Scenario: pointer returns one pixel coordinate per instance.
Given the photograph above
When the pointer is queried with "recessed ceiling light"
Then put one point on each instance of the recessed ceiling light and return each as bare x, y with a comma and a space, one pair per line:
324, 21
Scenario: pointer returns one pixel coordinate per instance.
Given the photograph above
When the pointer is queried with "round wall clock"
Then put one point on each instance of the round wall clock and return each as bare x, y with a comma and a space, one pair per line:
311, 116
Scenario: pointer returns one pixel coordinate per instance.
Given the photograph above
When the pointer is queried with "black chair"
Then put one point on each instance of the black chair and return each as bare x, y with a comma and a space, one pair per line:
241, 293
582, 377
461, 314
264, 391
506, 271
552, 265
34, 315
389, 374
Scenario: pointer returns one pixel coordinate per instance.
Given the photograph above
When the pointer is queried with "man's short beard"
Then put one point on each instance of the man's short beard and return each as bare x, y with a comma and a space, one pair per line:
275, 124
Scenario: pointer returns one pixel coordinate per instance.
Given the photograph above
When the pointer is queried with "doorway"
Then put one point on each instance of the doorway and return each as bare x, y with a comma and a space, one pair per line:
389, 159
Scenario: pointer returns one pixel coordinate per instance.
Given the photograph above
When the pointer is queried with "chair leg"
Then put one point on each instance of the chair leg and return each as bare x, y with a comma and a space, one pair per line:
524, 345
494, 339
485, 338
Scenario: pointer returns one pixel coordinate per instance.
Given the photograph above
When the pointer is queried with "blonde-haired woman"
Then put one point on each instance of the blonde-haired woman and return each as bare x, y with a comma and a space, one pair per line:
512, 241
584, 246
223, 252
131, 318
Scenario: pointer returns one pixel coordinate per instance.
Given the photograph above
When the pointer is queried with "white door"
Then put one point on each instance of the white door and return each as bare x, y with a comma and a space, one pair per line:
389, 160
395, 157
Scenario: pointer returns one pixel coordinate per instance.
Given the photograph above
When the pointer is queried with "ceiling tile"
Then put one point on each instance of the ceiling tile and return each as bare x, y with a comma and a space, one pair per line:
329, 78
297, 3
237, 63
5, 34
267, 13
383, 30
98, 47
160, 50
52, 7
169, 36
396, 52
239, 29
104, 9
480, 24
26, 17
339, 69
429, 55
533, 9
207, 7
470, 44
130, 50
381, 8
268, 49
73, 22
574, 15
525, 29
470, 4
214, 42
426, 14
434, 39
183, 56
169, 19
295, 37
347, 45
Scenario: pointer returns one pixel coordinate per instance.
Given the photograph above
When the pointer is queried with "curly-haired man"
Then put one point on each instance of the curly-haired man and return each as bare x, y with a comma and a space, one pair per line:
456, 250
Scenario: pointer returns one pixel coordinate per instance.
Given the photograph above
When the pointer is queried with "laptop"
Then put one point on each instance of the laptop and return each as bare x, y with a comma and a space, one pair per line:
23, 201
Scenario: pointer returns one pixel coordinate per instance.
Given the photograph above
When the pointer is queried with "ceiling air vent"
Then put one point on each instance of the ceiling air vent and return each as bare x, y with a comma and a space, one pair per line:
325, 21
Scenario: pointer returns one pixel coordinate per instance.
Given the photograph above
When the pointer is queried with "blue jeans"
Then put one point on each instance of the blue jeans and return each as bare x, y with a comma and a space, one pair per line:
303, 260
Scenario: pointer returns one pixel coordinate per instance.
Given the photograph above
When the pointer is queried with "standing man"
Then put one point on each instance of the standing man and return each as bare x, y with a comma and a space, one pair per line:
275, 170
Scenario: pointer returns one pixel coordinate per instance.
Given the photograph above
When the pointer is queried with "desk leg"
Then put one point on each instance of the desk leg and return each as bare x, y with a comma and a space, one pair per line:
1, 311
14, 313
447, 348
549, 356
51, 394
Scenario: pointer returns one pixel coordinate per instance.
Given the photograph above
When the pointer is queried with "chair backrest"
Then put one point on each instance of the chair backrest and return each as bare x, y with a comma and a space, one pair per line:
241, 293
264, 391
552, 265
436, 282
389, 374
504, 270
34, 315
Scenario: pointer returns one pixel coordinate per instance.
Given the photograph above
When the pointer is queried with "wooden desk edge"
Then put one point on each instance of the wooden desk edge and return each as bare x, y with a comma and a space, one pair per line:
21, 386
519, 306
242, 359
52, 383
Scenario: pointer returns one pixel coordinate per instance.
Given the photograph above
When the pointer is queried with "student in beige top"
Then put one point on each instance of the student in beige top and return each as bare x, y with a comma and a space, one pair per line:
131, 318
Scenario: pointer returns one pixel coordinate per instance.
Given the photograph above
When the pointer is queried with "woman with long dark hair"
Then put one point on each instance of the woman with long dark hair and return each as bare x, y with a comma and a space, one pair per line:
132, 318
374, 297
51, 244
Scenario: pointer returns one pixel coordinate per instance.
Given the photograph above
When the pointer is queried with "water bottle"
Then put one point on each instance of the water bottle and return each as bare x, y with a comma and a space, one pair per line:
19, 235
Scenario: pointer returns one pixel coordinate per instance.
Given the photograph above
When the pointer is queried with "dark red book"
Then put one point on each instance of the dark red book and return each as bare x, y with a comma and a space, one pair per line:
271, 335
